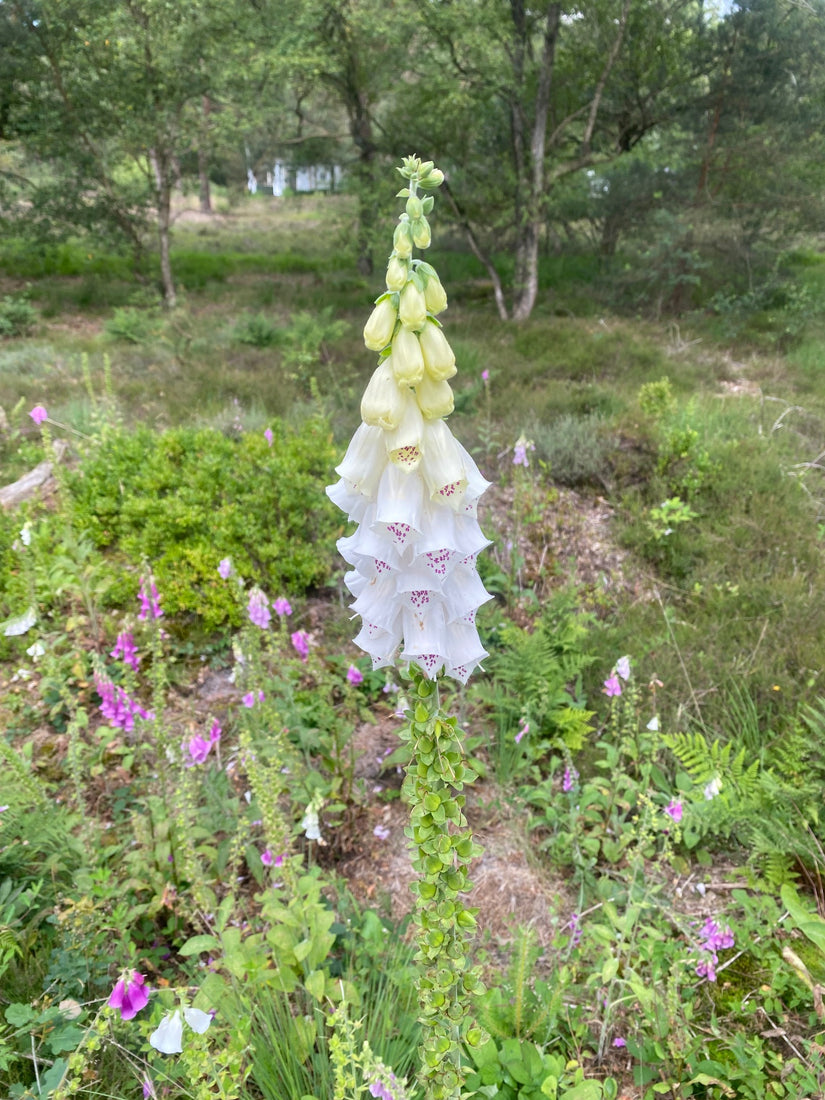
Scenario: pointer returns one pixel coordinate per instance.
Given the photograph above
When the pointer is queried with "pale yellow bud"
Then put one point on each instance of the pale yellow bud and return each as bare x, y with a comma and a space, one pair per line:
382, 405
402, 240
407, 360
397, 274
379, 328
414, 207
434, 178
412, 308
435, 296
438, 355
435, 399
421, 233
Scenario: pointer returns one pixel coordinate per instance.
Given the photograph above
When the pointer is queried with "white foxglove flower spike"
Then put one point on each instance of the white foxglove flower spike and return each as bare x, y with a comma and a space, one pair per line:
407, 483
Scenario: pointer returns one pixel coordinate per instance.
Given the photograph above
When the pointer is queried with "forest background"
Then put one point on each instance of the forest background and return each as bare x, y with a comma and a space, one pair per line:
629, 233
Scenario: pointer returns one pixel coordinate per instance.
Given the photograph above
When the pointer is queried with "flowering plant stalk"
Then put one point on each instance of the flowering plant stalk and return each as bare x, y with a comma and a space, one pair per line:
412, 490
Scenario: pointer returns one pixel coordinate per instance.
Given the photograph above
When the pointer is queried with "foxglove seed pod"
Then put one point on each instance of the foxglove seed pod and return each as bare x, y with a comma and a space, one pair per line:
379, 328
397, 274
435, 296
439, 359
407, 360
435, 399
412, 308
383, 402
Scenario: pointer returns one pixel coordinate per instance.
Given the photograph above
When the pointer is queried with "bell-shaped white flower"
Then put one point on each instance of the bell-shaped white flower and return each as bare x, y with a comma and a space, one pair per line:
383, 402
197, 1019
365, 460
435, 399
168, 1037
407, 358
439, 358
404, 442
379, 328
435, 296
443, 466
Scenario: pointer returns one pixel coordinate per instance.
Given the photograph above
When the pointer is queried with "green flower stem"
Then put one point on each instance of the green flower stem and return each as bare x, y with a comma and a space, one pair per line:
442, 848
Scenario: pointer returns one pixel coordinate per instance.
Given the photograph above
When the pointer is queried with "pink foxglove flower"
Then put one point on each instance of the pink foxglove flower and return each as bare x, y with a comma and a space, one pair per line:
126, 650
268, 436
300, 642
129, 995
149, 600
258, 609
225, 568
354, 675
266, 857
39, 414
612, 685
282, 606
674, 810
412, 489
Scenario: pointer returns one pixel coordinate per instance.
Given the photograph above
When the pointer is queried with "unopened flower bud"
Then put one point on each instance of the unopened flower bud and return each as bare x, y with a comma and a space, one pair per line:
412, 308
439, 359
407, 359
379, 328
435, 399
433, 178
397, 274
413, 207
421, 233
435, 296
383, 402
402, 240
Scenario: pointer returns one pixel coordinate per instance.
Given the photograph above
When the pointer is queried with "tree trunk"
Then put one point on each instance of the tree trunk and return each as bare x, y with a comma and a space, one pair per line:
204, 189
162, 166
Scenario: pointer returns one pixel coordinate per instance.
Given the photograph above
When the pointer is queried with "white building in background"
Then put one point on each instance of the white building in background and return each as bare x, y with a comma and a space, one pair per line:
318, 177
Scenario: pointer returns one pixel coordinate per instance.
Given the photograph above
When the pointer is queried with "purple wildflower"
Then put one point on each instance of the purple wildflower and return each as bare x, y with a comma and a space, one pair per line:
126, 650
117, 707
569, 779
266, 857
268, 436
251, 698
714, 939
575, 929
39, 414
522, 446
282, 606
623, 667
523, 729
148, 1088
381, 831
355, 675
225, 568
612, 685
619, 1042
300, 642
149, 600
674, 810
258, 609
129, 995
485, 376
198, 748
215, 731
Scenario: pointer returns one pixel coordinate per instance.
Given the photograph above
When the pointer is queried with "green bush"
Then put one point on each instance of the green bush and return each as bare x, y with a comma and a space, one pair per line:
17, 317
185, 499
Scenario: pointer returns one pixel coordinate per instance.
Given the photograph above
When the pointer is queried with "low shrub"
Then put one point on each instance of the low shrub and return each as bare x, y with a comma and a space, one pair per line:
187, 498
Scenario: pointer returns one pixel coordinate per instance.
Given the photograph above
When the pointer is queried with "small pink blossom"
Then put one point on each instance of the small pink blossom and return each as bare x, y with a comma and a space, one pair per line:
39, 414
674, 810
485, 376
282, 606
355, 675
266, 858
251, 698
225, 567
612, 685
569, 779
381, 831
198, 748
268, 436
258, 609
524, 729
300, 642
129, 995
126, 649
619, 1042
279, 860
215, 731
149, 600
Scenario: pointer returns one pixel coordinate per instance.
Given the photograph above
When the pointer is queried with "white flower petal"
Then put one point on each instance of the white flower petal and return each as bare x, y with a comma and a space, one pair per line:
168, 1038
21, 625
198, 1020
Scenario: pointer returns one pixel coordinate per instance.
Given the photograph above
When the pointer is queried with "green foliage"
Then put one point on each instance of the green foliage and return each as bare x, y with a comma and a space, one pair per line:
17, 317
184, 499
133, 326
256, 329
522, 1070
576, 449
